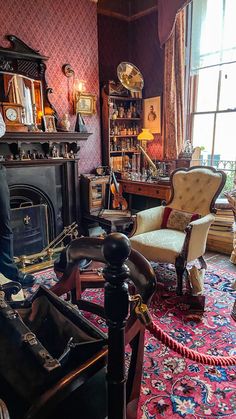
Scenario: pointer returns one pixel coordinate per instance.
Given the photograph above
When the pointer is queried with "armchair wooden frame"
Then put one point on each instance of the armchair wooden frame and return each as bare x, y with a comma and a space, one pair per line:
181, 259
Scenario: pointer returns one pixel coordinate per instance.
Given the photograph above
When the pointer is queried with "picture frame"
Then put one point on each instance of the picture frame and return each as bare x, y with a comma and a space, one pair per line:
49, 123
86, 104
152, 114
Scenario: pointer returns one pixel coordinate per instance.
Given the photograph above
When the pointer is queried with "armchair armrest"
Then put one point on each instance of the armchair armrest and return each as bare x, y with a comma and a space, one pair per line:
148, 220
196, 237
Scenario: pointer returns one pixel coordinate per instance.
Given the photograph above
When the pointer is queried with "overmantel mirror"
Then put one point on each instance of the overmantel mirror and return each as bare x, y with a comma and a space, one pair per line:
23, 87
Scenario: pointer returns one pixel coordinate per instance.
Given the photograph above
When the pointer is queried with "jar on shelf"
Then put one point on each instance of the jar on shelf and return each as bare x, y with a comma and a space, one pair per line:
129, 113
115, 114
121, 111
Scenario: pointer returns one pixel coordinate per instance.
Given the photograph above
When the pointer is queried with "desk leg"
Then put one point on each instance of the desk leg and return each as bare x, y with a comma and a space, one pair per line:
130, 201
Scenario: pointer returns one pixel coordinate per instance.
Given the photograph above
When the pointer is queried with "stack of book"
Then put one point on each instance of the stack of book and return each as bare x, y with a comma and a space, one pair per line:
220, 237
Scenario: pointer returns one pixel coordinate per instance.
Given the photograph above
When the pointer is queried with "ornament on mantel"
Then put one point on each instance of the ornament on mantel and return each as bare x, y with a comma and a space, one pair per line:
65, 123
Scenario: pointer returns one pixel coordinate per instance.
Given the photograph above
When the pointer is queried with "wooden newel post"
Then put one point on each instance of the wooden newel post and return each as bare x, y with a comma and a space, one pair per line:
116, 250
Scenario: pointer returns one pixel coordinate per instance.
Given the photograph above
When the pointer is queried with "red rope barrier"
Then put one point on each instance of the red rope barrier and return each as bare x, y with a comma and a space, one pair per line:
223, 361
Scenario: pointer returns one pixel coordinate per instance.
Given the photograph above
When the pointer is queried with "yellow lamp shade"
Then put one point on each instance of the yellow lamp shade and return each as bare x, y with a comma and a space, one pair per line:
145, 135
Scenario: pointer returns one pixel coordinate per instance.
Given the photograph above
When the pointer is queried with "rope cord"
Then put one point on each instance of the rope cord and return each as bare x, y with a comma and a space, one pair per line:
223, 361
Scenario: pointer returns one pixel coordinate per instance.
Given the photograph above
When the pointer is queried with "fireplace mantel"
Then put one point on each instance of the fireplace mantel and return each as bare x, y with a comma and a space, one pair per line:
14, 144
43, 137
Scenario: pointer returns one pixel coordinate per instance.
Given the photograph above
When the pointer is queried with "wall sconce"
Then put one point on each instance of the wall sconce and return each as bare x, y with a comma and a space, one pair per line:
68, 70
78, 87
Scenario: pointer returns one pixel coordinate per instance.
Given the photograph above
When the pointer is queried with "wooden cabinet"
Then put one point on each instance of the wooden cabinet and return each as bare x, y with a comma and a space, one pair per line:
121, 123
93, 192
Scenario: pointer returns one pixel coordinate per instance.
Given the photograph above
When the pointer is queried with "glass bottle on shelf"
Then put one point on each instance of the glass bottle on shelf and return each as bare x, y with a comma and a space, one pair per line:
129, 113
121, 111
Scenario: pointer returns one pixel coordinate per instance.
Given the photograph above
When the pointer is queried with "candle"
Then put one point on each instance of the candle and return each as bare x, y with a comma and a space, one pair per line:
32, 92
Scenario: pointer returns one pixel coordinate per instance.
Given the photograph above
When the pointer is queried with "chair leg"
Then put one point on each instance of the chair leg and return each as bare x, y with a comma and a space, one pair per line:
202, 262
180, 266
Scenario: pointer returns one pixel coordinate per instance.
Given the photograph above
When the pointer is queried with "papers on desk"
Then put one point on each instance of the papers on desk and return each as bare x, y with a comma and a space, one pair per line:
114, 213
164, 179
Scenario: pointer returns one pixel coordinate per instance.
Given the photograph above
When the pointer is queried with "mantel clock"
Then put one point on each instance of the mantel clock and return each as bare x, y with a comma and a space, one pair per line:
13, 117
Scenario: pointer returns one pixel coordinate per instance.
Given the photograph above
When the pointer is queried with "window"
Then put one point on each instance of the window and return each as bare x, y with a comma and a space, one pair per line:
212, 82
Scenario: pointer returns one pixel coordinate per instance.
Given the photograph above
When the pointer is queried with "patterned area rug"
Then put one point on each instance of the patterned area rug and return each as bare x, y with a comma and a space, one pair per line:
174, 387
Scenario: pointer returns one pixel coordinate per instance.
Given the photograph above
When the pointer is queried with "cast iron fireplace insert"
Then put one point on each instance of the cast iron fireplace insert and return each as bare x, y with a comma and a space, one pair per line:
51, 183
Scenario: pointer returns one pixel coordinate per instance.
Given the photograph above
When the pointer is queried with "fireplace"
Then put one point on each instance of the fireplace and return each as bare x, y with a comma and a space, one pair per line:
30, 226
45, 192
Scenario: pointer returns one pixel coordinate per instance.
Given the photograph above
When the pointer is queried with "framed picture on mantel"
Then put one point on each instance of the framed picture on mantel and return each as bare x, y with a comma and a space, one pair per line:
152, 114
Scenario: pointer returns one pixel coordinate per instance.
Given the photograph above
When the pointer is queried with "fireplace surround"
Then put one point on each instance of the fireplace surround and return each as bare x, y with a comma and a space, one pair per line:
48, 182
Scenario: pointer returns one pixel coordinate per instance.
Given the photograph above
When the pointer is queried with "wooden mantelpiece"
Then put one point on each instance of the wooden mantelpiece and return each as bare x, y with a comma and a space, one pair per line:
42, 137
38, 162
18, 142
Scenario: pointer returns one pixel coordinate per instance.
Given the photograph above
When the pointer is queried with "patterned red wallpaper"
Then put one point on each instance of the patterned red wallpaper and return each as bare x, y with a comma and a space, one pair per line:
66, 32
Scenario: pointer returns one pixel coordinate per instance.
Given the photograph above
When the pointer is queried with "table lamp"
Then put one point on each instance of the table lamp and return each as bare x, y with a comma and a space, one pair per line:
145, 136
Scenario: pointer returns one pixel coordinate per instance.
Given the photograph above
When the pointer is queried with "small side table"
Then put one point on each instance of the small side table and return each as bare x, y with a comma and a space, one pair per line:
110, 223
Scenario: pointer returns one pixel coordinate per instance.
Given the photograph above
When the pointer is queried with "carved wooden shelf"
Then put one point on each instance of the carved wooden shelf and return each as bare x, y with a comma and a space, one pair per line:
44, 137
36, 162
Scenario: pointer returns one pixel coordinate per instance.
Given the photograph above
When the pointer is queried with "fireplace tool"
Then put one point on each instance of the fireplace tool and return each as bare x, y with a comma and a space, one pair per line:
45, 258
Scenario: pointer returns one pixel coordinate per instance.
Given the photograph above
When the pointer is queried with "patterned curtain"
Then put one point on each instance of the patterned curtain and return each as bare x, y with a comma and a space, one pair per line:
173, 96
167, 12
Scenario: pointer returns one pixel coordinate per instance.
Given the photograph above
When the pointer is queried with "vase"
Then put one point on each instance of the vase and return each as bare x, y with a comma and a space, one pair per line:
65, 123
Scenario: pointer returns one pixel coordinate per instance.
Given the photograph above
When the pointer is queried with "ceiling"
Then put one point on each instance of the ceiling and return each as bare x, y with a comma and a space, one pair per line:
126, 9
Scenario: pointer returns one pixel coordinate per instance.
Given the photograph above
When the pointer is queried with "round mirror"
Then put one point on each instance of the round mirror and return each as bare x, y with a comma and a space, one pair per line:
130, 77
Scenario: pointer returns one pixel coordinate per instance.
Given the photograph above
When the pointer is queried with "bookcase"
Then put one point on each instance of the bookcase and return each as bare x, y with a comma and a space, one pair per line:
121, 124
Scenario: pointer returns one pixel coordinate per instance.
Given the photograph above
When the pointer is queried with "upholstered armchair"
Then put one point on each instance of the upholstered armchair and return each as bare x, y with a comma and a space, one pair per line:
177, 233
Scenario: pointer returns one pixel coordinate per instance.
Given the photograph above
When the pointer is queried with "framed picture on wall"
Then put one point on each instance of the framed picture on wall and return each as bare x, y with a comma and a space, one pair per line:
86, 104
152, 114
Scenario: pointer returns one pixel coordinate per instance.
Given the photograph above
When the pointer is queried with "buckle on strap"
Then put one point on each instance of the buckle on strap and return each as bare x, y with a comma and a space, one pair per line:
141, 309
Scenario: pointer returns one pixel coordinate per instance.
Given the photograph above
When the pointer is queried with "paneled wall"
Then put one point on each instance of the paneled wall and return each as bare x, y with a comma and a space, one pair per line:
113, 41
146, 54
135, 41
66, 32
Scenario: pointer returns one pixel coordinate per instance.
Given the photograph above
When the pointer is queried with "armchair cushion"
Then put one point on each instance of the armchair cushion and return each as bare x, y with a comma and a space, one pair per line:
160, 245
149, 220
177, 220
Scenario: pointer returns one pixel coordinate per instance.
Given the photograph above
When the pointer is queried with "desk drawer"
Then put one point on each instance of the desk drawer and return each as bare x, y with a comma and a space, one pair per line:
149, 190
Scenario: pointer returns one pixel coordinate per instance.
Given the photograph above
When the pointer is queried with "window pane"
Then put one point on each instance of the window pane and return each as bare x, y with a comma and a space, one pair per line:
203, 134
229, 34
228, 87
225, 139
211, 33
207, 86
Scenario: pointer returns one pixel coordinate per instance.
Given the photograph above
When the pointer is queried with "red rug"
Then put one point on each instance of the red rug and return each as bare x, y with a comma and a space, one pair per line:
174, 387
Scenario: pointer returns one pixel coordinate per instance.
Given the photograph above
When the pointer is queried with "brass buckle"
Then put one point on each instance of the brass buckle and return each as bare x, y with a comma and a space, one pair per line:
141, 309
29, 338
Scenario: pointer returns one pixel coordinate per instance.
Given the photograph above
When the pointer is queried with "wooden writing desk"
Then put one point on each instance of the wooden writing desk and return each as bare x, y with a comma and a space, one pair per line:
159, 190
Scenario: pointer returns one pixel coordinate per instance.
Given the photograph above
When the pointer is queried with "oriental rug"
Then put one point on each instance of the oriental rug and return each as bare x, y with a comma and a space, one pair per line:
172, 386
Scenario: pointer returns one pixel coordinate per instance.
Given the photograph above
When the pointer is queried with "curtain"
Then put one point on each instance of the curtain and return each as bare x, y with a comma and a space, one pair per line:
173, 96
167, 11
213, 33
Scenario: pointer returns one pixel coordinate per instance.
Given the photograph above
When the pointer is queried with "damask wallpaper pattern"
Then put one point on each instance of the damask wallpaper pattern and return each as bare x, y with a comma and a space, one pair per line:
66, 32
